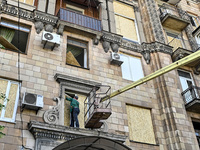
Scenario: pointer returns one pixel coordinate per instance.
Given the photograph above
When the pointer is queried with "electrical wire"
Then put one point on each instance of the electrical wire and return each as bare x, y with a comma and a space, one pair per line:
19, 79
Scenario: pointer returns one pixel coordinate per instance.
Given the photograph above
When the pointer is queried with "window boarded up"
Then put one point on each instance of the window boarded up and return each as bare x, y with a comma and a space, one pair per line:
81, 99
140, 125
125, 20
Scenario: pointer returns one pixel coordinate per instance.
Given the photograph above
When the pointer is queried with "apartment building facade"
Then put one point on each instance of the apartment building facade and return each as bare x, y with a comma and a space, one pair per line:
88, 47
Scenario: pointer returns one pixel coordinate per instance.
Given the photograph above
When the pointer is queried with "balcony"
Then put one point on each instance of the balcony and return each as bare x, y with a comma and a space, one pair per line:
75, 20
173, 18
191, 97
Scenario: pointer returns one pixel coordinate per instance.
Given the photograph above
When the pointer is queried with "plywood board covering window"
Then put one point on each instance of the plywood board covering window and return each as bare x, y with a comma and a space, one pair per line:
140, 124
76, 53
125, 21
29, 2
174, 40
11, 90
81, 99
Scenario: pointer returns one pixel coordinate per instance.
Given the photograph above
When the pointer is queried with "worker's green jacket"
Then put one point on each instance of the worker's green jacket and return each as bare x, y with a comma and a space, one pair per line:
74, 103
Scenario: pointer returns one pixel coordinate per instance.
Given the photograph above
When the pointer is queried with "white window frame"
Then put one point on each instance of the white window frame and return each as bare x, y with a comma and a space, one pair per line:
136, 28
2, 118
138, 70
75, 8
197, 37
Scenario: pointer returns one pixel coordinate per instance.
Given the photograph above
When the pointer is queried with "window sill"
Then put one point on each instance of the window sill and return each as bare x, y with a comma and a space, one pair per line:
7, 121
78, 67
144, 143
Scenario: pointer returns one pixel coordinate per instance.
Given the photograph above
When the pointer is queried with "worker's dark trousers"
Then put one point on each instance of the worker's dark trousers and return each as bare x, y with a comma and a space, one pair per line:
75, 111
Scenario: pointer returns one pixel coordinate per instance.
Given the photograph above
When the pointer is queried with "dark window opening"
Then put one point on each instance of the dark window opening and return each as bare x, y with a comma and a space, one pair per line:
197, 130
76, 53
13, 37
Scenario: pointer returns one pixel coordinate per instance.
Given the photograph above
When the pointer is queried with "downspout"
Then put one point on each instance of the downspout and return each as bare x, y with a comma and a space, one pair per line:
109, 29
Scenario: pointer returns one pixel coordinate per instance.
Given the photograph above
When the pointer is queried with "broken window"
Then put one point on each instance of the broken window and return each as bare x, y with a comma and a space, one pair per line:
13, 36
76, 53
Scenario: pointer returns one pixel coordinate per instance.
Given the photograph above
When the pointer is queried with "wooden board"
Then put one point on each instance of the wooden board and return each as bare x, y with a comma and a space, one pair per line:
70, 59
7, 44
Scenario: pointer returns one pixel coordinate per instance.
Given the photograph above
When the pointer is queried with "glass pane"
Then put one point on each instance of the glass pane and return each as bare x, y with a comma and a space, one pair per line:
11, 103
136, 68
126, 72
184, 74
3, 87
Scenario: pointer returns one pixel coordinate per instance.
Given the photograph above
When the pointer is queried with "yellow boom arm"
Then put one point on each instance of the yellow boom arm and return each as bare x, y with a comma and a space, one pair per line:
186, 60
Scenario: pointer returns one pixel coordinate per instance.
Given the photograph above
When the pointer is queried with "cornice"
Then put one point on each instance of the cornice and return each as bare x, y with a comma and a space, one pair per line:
115, 41
58, 132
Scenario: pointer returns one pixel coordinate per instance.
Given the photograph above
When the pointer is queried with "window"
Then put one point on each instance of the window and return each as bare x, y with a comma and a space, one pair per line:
11, 90
30, 2
195, 21
140, 124
9, 36
131, 68
174, 40
186, 79
76, 53
125, 21
196, 126
197, 37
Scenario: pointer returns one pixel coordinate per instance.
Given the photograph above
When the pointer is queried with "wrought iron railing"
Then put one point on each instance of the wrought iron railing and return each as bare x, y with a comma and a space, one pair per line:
79, 19
93, 100
168, 9
190, 94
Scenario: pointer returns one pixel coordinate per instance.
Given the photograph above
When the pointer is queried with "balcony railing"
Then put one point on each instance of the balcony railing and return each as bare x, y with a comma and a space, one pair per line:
173, 17
79, 19
191, 97
167, 9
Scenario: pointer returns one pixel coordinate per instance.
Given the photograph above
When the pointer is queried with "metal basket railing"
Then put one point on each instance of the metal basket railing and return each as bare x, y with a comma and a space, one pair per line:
190, 94
93, 100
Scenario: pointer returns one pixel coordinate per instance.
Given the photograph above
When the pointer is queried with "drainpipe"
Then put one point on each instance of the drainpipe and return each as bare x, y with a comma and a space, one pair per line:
109, 29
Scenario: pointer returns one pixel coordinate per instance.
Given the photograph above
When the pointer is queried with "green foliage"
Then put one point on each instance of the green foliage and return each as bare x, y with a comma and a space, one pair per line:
2, 97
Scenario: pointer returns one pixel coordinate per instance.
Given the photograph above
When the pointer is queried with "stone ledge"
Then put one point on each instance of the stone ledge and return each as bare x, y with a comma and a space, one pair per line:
58, 132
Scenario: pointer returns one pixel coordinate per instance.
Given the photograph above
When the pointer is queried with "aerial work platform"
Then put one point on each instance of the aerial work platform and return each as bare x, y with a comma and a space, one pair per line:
95, 111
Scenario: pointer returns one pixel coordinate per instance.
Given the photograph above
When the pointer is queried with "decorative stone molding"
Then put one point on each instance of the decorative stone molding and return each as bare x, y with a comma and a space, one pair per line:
191, 39
49, 28
47, 19
74, 83
58, 132
60, 29
14, 11
111, 40
155, 20
115, 41
51, 116
39, 26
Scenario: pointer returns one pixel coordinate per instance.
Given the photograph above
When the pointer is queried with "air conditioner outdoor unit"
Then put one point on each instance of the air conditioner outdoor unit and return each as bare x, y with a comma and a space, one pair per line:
50, 39
115, 59
171, 1
32, 101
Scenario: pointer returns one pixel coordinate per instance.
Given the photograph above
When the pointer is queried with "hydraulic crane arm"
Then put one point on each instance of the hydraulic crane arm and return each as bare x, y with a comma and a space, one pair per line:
186, 60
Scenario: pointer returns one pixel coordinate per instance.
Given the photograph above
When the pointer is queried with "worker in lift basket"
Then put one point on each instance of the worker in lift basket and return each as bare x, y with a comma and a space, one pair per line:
74, 110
